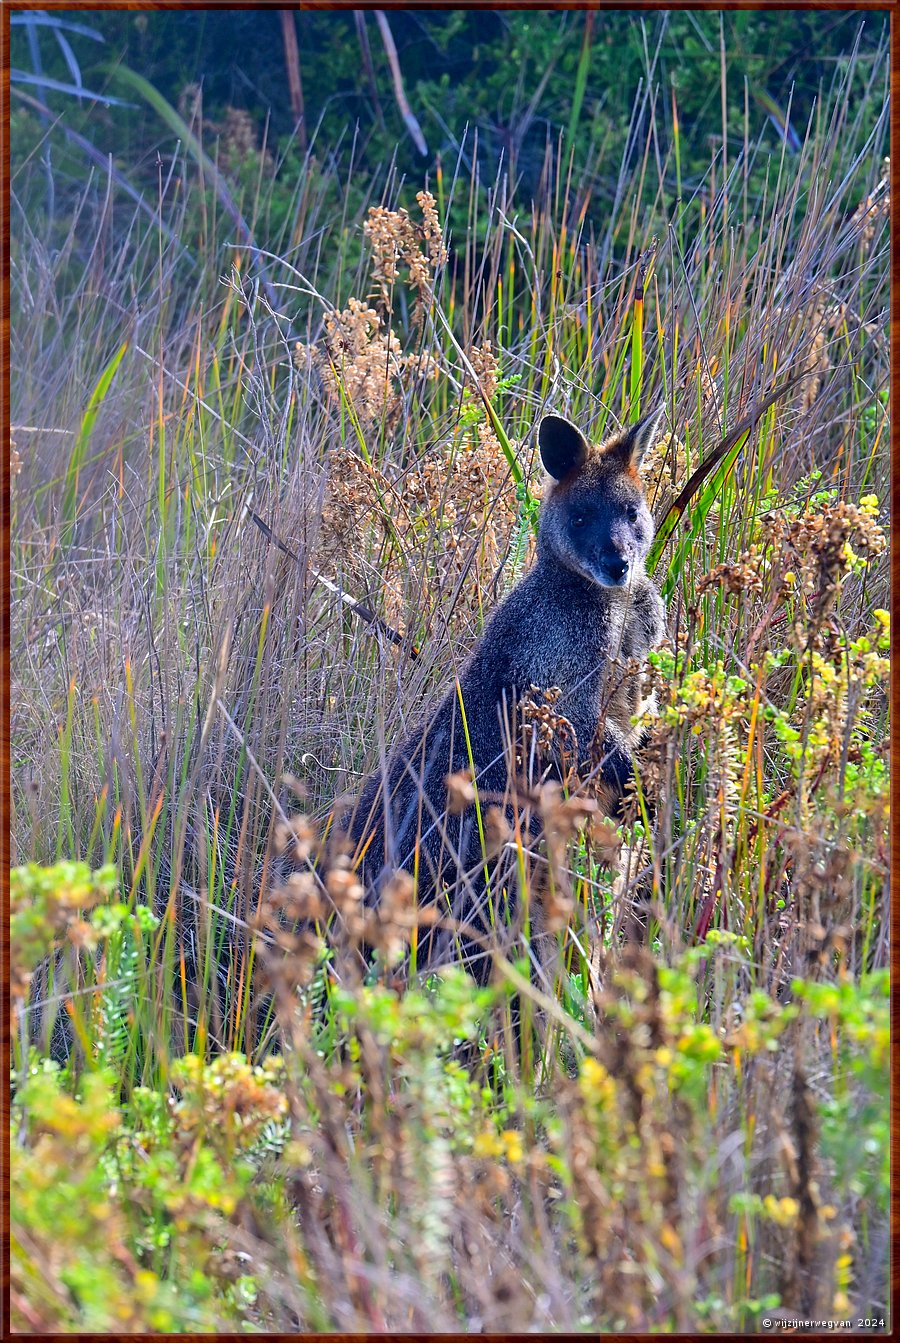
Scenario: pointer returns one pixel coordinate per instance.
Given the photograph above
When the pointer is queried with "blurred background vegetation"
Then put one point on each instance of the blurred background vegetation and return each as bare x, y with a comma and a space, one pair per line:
489, 87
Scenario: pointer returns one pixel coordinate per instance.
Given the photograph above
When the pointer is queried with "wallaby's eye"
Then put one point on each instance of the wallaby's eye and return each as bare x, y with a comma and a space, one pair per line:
578, 519
632, 513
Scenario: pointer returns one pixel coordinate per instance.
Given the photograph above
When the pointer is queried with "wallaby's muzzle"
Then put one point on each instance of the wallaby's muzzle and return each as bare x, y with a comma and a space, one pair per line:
614, 568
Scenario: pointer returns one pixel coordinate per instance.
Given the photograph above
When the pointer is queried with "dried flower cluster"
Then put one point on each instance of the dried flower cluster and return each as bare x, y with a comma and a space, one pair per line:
562, 817
358, 361
359, 358
326, 905
546, 735
456, 496
360, 509
460, 791
397, 242
236, 130
431, 230
875, 207
744, 576
287, 922
656, 761
664, 467
487, 368
824, 318
239, 135
818, 548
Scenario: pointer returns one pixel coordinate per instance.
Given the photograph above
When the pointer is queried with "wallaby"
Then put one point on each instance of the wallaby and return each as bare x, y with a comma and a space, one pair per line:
586, 608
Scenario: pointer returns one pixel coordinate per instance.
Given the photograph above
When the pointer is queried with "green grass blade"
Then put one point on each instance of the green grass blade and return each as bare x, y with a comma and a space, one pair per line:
699, 514
637, 354
177, 124
581, 76
76, 461
732, 439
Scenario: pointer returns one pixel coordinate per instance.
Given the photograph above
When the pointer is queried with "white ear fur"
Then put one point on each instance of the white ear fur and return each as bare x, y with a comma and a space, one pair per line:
644, 433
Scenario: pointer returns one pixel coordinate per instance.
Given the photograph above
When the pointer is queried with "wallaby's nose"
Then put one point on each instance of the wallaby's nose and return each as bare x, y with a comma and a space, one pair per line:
616, 566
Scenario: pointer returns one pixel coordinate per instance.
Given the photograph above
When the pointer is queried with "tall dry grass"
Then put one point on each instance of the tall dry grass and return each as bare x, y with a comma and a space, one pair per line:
215, 450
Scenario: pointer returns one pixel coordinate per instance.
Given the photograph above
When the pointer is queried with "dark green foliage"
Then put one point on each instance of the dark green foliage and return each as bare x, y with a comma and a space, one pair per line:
507, 77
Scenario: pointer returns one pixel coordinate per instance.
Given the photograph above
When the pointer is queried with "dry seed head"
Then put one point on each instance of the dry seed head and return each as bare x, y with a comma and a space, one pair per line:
557, 907
543, 728
663, 466
744, 576
356, 357
431, 227
296, 837
457, 492
398, 896
288, 956
351, 506
343, 885
390, 928
655, 755
486, 366
419, 367
82, 935
301, 898
460, 791
239, 132
394, 241
390, 235
606, 844
820, 546
498, 831
564, 816
876, 206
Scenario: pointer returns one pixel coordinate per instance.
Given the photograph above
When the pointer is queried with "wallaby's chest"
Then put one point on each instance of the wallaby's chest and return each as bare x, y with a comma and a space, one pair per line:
591, 651
627, 692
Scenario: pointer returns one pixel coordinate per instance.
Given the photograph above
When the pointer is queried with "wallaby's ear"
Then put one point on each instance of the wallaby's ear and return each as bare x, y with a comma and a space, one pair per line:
642, 435
563, 447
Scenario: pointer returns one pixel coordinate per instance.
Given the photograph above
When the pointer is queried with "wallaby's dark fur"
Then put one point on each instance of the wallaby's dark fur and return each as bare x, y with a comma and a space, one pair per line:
585, 608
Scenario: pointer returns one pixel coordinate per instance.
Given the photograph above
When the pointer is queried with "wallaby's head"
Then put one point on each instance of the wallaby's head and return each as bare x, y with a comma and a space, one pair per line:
594, 518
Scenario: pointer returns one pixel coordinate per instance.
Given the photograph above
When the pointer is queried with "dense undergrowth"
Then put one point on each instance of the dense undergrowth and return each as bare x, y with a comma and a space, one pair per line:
221, 1121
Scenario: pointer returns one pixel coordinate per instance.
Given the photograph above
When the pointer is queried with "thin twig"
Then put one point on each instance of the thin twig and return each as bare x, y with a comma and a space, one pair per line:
295, 79
364, 612
406, 112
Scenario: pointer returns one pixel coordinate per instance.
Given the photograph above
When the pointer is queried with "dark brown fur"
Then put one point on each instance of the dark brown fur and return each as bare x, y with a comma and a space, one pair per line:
584, 610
